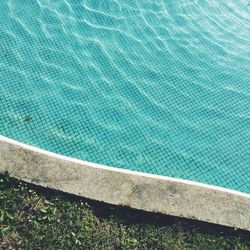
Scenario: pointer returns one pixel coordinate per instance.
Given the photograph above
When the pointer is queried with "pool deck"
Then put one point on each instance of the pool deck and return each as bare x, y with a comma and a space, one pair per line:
123, 187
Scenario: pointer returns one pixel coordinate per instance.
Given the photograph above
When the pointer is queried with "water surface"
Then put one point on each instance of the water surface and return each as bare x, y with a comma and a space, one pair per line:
160, 87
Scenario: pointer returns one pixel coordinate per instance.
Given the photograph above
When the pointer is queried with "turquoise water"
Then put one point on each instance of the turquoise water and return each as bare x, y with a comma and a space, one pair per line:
160, 87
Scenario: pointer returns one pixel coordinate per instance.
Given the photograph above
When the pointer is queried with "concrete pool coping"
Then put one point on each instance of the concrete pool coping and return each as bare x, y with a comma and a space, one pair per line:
116, 186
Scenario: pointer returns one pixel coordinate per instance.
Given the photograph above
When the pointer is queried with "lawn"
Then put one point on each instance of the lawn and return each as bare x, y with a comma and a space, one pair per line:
39, 218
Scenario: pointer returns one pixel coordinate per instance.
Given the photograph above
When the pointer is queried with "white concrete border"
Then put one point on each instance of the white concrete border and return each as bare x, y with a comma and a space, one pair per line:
124, 187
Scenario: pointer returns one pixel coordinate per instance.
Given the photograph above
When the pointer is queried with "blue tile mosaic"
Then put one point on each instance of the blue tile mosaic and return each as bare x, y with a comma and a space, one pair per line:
160, 87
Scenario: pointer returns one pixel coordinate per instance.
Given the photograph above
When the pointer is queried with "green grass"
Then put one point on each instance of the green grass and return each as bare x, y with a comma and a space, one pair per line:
38, 218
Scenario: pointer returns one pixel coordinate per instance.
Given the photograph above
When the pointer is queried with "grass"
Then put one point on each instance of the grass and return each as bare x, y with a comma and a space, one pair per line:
39, 218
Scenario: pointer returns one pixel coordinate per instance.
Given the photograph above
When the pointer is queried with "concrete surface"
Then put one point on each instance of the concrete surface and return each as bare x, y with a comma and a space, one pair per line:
122, 187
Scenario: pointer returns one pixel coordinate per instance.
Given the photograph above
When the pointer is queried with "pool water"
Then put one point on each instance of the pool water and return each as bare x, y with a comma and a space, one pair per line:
161, 87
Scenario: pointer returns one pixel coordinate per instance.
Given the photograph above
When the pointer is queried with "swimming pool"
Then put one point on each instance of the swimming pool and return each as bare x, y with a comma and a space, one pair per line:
159, 87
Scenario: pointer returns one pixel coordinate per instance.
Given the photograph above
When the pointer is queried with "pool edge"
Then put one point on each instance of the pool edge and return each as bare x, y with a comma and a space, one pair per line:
147, 192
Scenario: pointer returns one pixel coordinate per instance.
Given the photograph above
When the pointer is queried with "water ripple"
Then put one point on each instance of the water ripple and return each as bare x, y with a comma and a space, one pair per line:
154, 86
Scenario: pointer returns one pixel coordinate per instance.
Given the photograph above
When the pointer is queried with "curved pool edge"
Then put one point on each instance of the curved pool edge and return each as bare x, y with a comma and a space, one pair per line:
116, 186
